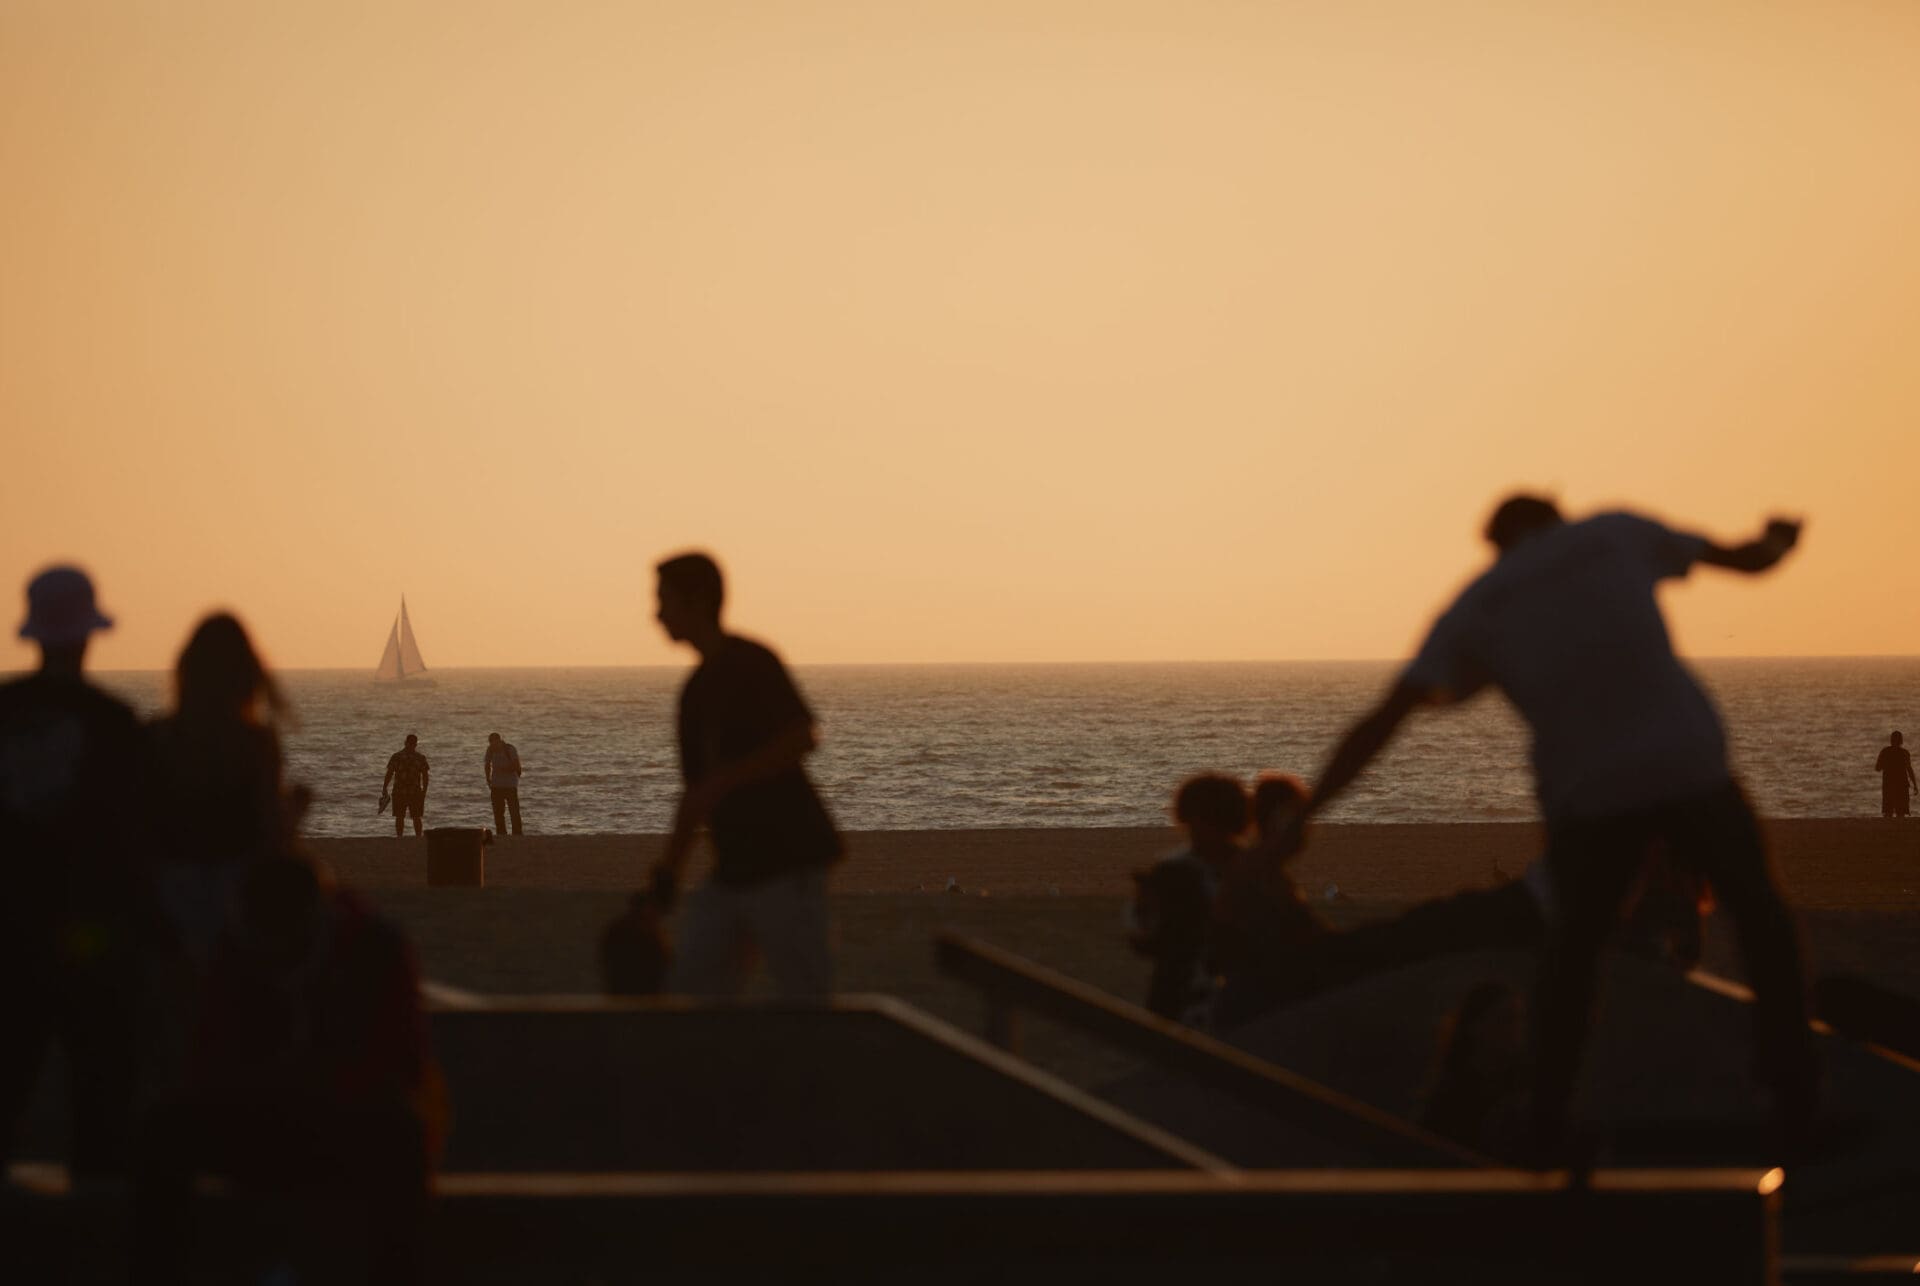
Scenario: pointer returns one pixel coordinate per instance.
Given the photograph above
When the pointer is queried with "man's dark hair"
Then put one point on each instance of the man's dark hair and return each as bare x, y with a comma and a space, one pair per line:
1519, 516
695, 578
412, 740
1213, 800
1274, 789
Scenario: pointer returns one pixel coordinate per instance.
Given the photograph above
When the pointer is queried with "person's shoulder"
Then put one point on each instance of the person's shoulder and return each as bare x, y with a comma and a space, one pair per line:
742, 650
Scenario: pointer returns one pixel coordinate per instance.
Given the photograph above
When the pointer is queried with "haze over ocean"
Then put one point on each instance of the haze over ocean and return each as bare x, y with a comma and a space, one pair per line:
931, 747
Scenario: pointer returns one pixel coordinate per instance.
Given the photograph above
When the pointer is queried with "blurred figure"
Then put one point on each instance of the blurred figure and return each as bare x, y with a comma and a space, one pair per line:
1260, 921
1627, 751
1895, 766
222, 803
76, 915
309, 1078
745, 732
1172, 911
634, 952
502, 768
406, 784
1481, 1077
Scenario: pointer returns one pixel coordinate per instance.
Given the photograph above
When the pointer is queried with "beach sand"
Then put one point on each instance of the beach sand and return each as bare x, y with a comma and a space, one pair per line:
1057, 896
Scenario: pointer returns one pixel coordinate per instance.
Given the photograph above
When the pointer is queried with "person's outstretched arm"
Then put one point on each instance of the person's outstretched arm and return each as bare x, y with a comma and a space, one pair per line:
1362, 744
1758, 554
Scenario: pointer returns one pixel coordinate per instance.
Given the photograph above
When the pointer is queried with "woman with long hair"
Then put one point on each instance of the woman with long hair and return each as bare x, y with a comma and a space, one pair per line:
222, 801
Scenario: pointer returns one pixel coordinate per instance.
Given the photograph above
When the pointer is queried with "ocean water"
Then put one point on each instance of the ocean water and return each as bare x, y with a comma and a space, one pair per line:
954, 746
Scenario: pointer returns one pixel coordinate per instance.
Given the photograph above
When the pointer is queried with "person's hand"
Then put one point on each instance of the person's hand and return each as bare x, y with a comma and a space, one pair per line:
1782, 534
663, 885
696, 806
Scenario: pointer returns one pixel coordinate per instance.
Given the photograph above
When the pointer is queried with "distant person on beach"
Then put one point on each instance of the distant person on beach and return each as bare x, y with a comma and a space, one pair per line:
1172, 911
1627, 751
502, 768
406, 782
744, 732
222, 800
76, 916
1895, 766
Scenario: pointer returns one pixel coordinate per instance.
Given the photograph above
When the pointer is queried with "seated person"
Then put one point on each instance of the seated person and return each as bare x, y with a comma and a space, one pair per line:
1173, 902
309, 1075
1259, 914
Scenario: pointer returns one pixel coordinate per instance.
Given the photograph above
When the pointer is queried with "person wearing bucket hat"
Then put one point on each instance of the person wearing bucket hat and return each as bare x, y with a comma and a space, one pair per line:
74, 780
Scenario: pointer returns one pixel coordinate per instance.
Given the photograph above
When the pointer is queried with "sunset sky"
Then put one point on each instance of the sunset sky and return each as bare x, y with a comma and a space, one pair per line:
960, 331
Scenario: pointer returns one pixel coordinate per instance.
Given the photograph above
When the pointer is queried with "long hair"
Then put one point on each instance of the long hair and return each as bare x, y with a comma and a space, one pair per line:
220, 679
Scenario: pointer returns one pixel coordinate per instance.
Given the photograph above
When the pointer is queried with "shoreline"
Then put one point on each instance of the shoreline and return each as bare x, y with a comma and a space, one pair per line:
1837, 863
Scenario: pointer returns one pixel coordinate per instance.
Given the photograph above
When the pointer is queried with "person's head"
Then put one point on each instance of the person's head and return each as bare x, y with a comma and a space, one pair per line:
61, 617
412, 741
1272, 792
691, 594
1520, 516
1896, 738
1213, 809
493, 738
219, 677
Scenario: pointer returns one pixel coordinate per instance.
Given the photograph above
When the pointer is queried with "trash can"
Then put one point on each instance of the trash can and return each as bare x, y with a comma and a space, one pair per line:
456, 857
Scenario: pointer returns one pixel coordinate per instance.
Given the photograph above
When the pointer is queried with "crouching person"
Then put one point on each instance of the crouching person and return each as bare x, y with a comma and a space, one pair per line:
1172, 908
309, 1080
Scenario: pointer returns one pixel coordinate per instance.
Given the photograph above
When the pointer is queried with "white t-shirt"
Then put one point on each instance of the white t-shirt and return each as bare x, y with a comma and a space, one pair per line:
1567, 626
505, 761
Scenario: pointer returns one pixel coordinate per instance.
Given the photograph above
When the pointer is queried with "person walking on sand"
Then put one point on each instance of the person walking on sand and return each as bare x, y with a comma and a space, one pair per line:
1895, 766
744, 732
1628, 752
406, 781
502, 768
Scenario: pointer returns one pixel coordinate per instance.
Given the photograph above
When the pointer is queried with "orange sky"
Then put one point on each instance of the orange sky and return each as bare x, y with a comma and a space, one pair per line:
964, 331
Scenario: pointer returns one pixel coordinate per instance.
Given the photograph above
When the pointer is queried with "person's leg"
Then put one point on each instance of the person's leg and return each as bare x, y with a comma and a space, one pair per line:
513, 807
1593, 864
25, 1032
789, 920
419, 808
399, 817
1720, 837
499, 810
102, 1046
707, 957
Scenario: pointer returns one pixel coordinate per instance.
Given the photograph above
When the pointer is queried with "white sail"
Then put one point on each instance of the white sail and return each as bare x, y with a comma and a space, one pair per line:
410, 662
390, 659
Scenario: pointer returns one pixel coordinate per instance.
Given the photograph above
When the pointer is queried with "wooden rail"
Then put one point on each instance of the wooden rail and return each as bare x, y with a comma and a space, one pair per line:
1013, 984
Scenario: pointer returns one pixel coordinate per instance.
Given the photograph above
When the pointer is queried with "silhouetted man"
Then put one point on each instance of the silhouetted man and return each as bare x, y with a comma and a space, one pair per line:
407, 780
744, 732
502, 768
1895, 766
76, 909
1627, 751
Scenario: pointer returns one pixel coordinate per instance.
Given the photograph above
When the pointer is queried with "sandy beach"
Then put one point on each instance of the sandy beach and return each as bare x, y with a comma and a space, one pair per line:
1057, 896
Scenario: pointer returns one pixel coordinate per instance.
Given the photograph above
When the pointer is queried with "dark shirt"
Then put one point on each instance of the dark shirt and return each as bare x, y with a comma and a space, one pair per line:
1172, 908
738, 700
75, 794
409, 769
347, 1028
1894, 763
220, 788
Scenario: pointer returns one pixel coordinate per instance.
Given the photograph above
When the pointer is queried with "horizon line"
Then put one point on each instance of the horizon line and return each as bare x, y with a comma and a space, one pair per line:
824, 665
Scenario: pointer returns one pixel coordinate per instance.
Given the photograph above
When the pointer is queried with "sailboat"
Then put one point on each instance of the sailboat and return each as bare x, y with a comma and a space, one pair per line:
401, 662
